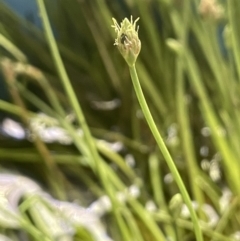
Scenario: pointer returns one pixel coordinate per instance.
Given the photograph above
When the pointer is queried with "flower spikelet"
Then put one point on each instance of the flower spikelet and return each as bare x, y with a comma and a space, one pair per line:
127, 39
211, 9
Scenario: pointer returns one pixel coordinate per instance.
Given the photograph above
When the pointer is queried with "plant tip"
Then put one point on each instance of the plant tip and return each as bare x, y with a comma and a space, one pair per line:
127, 39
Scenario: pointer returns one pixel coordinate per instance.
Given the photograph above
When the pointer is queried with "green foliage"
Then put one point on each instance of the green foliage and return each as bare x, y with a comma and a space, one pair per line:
189, 69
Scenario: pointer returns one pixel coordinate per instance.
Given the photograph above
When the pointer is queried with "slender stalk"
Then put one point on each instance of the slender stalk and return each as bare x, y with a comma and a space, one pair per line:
147, 219
48, 161
233, 21
164, 150
187, 143
66, 83
156, 181
11, 108
231, 167
185, 224
158, 191
9, 46
69, 91
99, 165
135, 230
181, 25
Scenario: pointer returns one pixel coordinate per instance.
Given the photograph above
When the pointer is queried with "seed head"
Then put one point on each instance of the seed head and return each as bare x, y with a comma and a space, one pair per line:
127, 39
211, 9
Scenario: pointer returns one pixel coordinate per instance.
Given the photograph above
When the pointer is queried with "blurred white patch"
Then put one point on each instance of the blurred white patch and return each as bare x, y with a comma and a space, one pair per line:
106, 105
49, 130
204, 151
54, 134
130, 161
13, 129
206, 131
168, 179
172, 135
4, 238
115, 146
14, 188
236, 236
205, 164
101, 206
151, 206
45, 127
122, 196
79, 132
134, 191
214, 171
225, 199
104, 205
212, 215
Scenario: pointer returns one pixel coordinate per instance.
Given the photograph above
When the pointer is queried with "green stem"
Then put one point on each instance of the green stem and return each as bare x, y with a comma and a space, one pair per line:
233, 12
9, 46
66, 83
181, 26
164, 151
147, 219
99, 165
231, 164
185, 224
158, 191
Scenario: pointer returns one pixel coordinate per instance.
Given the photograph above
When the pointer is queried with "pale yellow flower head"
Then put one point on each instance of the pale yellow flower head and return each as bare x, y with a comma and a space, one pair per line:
211, 9
127, 39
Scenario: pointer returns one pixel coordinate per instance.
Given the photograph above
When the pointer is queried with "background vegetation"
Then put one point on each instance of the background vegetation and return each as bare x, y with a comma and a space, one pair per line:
189, 69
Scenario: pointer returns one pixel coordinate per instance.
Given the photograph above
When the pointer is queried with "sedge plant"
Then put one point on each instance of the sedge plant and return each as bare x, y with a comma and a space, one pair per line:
129, 45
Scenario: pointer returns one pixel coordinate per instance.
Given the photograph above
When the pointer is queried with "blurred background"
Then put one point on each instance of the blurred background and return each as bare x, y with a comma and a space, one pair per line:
189, 69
